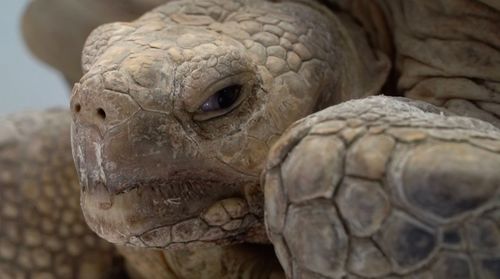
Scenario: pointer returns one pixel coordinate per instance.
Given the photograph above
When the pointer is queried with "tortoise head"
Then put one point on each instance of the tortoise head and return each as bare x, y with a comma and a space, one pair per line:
176, 111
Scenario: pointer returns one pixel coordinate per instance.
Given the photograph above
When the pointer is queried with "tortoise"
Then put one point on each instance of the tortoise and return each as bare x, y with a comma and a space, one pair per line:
208, 133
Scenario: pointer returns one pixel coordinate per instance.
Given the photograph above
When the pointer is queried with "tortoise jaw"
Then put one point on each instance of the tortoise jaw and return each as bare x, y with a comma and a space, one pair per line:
226, 221
169, 214
127, 194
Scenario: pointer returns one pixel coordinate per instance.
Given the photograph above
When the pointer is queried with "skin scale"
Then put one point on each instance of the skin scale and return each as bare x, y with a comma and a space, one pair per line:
406, 190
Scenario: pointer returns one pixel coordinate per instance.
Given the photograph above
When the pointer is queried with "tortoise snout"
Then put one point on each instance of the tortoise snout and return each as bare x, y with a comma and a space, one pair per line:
92, 104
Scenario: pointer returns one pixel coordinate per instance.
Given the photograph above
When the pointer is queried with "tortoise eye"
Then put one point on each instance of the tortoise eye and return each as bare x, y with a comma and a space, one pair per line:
222, 99
225, 96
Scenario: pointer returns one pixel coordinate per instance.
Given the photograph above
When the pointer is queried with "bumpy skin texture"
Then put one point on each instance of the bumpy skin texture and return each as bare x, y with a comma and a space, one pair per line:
190, 179
375, 188
42, 231
396, 190
155, 172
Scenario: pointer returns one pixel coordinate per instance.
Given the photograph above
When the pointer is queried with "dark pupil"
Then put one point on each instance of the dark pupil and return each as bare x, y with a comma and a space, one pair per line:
227, 96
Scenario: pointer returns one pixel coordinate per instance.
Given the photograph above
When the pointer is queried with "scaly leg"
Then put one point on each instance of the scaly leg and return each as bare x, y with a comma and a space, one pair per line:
386, 188
42, 230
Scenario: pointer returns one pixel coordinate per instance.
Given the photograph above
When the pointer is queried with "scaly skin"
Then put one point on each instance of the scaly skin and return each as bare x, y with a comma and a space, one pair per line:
399, 189
43, 234
140, 94
156, 172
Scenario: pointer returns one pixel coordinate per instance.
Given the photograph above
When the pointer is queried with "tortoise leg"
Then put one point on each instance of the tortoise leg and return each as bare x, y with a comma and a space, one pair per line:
385, 188
42, 230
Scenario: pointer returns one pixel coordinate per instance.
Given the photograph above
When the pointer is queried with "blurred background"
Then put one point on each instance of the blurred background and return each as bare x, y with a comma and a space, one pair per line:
25, 83
55, 31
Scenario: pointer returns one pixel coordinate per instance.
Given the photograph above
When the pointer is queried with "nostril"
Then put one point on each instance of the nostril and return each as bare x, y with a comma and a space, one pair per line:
101, 113
78, 108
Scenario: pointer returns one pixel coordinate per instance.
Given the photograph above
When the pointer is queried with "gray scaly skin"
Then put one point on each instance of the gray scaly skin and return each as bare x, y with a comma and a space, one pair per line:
373, 188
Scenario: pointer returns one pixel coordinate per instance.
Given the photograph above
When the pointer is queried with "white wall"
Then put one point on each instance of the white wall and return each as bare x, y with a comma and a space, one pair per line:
25, 83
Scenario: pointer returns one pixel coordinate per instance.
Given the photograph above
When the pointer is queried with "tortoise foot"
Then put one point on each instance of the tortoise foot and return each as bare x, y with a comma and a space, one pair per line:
385, 188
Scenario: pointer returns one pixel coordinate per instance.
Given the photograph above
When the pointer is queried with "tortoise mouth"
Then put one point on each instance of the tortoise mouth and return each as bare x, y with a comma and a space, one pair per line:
154, 199
169, 213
